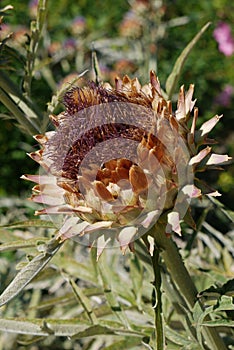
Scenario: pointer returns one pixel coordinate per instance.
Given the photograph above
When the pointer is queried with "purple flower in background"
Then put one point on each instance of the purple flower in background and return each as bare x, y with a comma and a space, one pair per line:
69, 44
223, 36
78, 25
225, 96
33, 8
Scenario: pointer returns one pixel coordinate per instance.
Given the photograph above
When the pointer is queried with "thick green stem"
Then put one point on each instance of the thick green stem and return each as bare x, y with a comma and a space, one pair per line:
183, 281
157, 301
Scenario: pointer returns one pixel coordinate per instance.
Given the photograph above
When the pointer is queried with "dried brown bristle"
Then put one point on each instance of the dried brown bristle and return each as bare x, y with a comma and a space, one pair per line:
91, 138
78, 99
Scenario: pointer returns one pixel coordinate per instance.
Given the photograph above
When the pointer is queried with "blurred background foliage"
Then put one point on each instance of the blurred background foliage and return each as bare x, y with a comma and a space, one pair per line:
129, 37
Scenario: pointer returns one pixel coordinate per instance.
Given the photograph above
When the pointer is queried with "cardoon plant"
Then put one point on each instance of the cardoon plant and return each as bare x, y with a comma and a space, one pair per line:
122, 165
119, 169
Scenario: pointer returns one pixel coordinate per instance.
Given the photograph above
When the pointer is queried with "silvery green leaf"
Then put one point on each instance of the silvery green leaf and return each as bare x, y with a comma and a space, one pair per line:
42, 327
30, 223
127, 343
219, 323
30, 271
99, 329
22, 244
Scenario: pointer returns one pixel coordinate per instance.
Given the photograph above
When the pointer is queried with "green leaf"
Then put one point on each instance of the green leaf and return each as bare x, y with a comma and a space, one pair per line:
25, 123
99, 329
47, 304
30, 223
124, 344
76, 269
224, 303
93, 331
22, 244
173, 78
42, 327
111, 297
30, 341
25, 105
217, 291
84, 301
227, 212
30, 271
136, 273
70, 298
220, 322
176, 337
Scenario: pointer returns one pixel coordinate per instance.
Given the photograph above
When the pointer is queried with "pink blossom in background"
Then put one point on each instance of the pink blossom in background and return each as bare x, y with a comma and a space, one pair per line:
33, 8
224, 97
78, 25
223, 36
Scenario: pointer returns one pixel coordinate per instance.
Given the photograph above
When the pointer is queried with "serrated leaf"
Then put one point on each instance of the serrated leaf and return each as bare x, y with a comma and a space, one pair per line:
224, 303
30, 223
228, 288
216, 291
30, 271
175, 74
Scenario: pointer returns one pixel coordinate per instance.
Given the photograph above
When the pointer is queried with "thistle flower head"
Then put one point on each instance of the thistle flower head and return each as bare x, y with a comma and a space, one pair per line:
120, 160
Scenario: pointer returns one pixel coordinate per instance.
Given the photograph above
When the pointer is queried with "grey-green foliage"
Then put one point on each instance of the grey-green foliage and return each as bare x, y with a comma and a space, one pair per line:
108, 303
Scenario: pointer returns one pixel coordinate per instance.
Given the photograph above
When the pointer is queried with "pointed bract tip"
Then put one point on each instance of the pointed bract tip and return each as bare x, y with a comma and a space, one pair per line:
42, 139
209, 124
54, 120
155, 82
